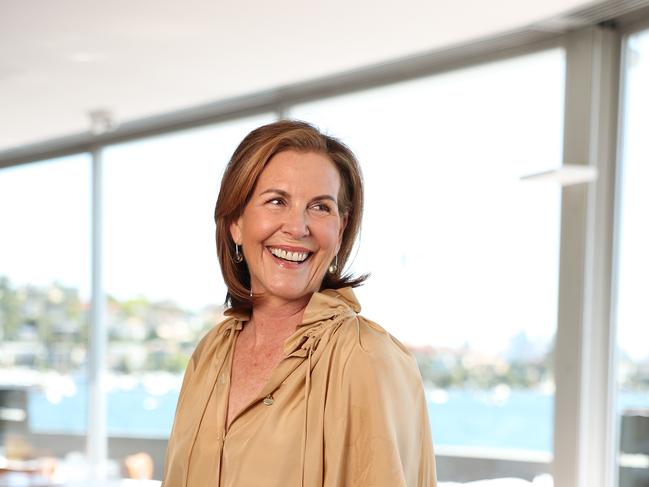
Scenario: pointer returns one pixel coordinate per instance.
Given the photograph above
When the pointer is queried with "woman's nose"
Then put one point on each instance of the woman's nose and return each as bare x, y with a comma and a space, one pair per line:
296, 224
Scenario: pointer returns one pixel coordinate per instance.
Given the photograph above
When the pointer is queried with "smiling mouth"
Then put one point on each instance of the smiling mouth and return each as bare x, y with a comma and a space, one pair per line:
285, 255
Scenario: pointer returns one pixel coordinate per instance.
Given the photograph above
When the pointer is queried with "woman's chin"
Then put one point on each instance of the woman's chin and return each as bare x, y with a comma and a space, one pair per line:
288, 293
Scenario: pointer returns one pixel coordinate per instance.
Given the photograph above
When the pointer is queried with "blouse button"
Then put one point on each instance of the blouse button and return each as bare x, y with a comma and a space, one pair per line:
269, 400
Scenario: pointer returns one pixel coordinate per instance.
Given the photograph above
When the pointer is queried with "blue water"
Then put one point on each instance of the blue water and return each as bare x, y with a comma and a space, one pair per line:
470, 418
521, 420
132, 412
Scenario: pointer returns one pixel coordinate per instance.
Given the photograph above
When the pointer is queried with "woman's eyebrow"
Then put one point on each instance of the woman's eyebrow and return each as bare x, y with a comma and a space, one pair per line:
285, 194
324, 197
280, 192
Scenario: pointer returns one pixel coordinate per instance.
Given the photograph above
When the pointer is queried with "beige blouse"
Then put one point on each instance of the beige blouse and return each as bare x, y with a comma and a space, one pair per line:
345, 407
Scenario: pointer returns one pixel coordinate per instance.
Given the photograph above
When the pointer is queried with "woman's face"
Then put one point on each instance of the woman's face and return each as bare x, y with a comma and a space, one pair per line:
291, 230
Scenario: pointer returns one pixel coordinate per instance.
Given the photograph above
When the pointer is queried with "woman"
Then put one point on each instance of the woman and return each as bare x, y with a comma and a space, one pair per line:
295, 388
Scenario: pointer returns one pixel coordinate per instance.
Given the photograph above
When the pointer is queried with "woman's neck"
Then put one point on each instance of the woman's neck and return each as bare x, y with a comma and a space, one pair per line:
271, 320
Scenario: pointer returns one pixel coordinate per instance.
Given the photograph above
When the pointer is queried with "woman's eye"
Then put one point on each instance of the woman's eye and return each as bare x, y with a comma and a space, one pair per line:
322, 207
275, 202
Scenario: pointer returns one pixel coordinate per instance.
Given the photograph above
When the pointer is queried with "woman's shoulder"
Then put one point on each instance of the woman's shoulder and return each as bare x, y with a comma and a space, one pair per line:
363, 341
372, 365
359, 332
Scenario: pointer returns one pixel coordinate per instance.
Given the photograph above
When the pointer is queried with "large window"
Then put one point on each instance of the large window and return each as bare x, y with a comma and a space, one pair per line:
632, 315
463, 254
44, 303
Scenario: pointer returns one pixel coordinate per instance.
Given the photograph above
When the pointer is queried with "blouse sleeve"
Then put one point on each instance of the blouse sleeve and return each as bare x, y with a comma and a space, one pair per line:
170, 477
175, 465
377, 432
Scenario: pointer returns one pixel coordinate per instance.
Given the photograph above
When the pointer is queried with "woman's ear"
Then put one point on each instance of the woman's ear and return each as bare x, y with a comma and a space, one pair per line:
342, 230
235, 231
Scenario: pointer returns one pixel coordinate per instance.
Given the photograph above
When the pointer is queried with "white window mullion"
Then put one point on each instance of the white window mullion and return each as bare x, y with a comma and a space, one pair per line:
97, 439
584, 434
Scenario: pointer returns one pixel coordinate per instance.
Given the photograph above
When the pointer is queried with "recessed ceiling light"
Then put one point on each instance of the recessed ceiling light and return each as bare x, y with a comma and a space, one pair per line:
101, 121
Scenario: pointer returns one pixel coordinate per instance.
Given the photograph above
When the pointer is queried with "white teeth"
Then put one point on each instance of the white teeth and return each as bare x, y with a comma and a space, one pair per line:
292, 256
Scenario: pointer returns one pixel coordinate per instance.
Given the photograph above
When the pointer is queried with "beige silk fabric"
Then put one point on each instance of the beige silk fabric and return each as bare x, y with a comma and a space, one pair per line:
344, 407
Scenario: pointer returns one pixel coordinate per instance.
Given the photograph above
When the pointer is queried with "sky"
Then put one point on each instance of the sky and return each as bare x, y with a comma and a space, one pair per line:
461, 251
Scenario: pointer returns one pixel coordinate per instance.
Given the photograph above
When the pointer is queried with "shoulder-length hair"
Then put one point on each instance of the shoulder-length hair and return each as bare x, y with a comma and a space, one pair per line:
239, 180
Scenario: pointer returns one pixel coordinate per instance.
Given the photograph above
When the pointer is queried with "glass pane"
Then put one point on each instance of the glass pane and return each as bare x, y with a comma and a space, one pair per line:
633, 267
44, 304
463, 254
162, 276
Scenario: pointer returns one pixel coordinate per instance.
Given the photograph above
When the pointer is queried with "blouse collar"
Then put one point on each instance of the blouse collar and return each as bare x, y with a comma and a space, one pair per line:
322, 306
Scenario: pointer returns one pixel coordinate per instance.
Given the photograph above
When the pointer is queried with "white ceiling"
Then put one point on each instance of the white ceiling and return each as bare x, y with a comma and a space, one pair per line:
60, 59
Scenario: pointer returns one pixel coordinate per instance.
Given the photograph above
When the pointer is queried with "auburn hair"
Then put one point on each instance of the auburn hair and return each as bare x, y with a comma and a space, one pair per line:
239, 180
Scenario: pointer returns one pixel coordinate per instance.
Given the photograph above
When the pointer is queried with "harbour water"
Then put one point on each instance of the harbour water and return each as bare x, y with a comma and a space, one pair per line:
500, 418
